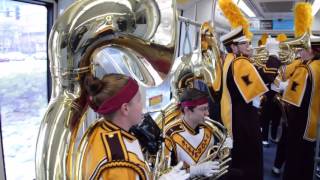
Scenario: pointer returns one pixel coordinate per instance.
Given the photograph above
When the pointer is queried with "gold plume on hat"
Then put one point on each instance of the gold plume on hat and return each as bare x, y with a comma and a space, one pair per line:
264, 38
302, 18
235, 17
282, 37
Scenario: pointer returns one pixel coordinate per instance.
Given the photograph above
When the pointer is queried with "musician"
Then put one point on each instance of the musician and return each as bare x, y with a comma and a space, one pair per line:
188, 139
303, 98
270, 111
242, 88
279, 86
111, 152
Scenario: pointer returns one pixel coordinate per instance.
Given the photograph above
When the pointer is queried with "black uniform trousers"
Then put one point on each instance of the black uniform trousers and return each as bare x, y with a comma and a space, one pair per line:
270, 111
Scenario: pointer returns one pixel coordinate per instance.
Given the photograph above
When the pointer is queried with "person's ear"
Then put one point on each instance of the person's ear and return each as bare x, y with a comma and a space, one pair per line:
186, 110
234, 48
124, 109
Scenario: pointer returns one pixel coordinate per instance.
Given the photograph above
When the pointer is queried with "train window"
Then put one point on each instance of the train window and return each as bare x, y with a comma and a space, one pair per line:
23, 83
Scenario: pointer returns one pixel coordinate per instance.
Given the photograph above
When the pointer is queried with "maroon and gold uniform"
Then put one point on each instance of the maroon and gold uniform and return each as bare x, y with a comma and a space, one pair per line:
187, 144
303, 97
241, 85
112, 153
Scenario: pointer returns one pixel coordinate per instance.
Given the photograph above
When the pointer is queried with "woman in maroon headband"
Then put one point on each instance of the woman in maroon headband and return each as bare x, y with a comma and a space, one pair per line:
110, 151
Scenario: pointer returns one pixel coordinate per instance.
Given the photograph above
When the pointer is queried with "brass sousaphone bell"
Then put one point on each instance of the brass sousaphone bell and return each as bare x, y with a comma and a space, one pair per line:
144, 31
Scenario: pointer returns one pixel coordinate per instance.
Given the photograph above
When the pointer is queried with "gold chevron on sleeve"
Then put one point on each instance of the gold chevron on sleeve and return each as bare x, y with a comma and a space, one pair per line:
194, 152
296, 87
247, 79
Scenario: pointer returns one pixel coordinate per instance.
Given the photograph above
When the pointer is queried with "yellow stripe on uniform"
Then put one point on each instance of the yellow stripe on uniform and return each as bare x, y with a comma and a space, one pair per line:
217, 82
314, 107
226, 104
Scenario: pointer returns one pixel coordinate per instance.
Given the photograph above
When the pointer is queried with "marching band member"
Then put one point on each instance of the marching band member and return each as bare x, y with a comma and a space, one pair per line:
242, 86
303, 98
111, 152
189, 139
269, 110
281, 145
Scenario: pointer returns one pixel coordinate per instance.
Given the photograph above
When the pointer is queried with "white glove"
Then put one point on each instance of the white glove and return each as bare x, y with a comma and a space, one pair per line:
272, 45
275, 87
176, 173
256, 102
228, 143
206, 169
283, 85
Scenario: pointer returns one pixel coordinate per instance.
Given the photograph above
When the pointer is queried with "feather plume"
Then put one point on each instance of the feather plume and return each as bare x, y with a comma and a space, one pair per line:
235, 17
302, 18
281, 37
264, 38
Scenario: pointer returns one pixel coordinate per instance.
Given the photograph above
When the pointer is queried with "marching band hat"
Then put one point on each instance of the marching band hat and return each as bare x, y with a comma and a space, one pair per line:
235, 36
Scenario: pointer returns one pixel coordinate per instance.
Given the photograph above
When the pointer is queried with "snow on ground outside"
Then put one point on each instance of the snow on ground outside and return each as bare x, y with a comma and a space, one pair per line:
23, 101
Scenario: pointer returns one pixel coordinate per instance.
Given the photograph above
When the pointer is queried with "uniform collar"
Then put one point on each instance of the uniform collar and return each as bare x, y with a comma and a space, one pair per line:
189, 128
113, 127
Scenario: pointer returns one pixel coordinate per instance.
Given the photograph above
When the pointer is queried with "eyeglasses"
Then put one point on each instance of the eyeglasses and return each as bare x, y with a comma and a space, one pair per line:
244, 42
205, 108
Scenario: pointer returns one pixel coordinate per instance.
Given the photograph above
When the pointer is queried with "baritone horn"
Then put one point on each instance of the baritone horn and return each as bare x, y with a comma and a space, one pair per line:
144, 31
289, 48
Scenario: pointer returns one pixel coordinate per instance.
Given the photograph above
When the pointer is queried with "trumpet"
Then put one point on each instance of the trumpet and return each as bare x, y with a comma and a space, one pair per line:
289, 48
260, 56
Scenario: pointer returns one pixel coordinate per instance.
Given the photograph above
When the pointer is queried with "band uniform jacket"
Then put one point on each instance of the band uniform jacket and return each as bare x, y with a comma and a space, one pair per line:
186, 144
303, 97
112, 153
241, 85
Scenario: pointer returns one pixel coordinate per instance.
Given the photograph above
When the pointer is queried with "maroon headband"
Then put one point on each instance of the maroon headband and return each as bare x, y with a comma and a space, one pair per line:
124, 95
195, 102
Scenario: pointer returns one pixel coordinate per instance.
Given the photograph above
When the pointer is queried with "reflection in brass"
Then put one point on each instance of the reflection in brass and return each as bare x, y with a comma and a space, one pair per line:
144, 30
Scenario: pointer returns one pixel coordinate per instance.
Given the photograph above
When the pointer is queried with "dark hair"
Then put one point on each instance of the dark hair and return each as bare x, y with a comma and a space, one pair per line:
316, 52
103, 89
190, 94
228, 48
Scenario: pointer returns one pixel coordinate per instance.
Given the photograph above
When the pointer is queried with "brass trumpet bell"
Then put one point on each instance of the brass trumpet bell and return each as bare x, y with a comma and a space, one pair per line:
289, 48
260, 56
